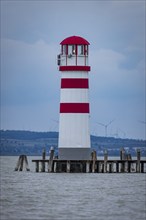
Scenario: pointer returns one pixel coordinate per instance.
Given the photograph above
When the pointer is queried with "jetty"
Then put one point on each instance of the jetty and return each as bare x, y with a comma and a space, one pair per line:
21, 163
125, 164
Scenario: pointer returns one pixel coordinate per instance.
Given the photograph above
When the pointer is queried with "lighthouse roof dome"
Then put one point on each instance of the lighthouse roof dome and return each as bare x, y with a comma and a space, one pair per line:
74, 40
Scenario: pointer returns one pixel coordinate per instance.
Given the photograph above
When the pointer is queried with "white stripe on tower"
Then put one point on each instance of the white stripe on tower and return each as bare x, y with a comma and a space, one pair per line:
74, 95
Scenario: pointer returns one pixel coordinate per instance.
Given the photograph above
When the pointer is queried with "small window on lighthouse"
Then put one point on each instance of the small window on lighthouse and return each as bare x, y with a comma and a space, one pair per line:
71, 49
64, 49
86, 50
80, 50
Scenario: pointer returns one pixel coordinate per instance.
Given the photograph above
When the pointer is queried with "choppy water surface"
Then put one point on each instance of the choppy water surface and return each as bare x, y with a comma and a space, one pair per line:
30, 195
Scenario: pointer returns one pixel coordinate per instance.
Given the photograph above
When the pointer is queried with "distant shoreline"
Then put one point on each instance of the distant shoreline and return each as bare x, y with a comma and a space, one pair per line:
15, 143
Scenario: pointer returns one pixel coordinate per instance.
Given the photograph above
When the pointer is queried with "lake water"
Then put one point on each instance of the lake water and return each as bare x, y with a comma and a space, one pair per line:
60, 196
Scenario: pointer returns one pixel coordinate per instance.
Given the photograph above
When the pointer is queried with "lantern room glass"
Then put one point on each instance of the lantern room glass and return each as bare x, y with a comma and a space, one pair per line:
64, 49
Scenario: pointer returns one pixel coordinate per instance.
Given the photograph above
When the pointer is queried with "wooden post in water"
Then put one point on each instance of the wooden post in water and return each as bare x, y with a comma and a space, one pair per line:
37, 166
122, 157
129, 158
105, 161
21, 161
42, 166
26, 163
55, 167
97, 164
117, 167
68, 166
87, 166
126, 163
94, 158
122, 153
50, 164
138, 161
142, 167
129, 167
81, 167
18, 163
44, 154
110, 167
43, 158
100, 167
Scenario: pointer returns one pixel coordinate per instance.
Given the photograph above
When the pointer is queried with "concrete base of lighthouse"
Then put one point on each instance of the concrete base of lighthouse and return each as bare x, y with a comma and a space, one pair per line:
74, 153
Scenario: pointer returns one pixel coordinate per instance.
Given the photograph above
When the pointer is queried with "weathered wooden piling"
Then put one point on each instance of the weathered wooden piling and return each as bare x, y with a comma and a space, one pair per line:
99, 167
21, 162
37, 166
102, 167
122, 154
129, 158
44, 154
42, 166
105, 161
110, 167
122, 158
117, 167
81, 167
87, 166
55, 167
50, 163
142, 167
128, 167
68, 166
43, 158
138, 161
125, 164
94, 158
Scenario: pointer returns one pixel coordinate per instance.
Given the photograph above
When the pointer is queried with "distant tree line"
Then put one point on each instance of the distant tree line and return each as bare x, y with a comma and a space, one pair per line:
27, 135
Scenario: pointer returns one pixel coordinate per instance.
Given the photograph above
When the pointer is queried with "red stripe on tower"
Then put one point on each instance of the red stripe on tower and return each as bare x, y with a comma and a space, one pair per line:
71, 83
74, 68
74, 107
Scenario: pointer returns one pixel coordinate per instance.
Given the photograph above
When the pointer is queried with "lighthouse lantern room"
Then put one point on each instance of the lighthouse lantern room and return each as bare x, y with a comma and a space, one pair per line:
74, 134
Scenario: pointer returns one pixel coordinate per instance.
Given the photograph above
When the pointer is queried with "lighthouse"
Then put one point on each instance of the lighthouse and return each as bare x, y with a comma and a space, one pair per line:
74, 134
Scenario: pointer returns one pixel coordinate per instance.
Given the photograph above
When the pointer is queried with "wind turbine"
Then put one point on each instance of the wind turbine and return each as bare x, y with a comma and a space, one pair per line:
124, 133
53, 126
105, 126
55, 120
116, 135
121, 131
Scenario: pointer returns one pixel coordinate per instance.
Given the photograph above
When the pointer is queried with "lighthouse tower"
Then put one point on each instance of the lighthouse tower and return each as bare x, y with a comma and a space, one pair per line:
74, 134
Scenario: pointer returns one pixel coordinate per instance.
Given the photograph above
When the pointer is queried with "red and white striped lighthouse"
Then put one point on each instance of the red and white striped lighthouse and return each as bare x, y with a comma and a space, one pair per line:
74, 134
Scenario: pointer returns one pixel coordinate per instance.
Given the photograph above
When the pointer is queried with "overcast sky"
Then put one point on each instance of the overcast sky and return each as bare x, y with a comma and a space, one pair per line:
31, 32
